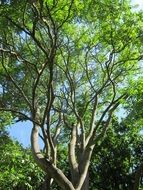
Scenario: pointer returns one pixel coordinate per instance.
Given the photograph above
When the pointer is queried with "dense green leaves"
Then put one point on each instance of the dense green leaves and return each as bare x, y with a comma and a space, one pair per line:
5, 119
117, 158
17, 168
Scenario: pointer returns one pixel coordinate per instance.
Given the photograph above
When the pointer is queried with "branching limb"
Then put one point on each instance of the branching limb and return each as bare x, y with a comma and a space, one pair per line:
46, 164
72, 154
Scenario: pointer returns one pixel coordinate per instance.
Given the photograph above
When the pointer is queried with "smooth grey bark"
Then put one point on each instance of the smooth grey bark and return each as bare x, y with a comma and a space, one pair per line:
86, 183
72, 156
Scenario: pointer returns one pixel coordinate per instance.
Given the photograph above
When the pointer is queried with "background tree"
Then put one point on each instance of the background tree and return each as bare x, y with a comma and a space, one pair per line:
134, 115
17, 168
65, 66
116, 160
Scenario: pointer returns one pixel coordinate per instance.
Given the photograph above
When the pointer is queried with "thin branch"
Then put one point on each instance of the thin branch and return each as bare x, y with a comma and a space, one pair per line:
110, 109
16, 85
67, 17
58, 129
93, 119
31, 34
19, 113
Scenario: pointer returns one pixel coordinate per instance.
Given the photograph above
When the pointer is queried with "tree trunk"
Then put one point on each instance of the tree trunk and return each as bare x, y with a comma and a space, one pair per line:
86, 183
46, 165
83, 183
47, 183
138, 175
137, 180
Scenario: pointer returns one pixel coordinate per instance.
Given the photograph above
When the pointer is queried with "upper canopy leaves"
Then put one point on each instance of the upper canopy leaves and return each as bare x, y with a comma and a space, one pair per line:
59, 56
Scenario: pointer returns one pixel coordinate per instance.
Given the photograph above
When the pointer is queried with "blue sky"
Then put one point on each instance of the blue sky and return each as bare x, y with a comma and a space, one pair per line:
21, 130
138, 2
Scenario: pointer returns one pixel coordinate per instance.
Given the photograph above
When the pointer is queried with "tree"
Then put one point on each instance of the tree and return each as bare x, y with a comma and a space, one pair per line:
65, 65
17, 169
115, 161
135, 117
